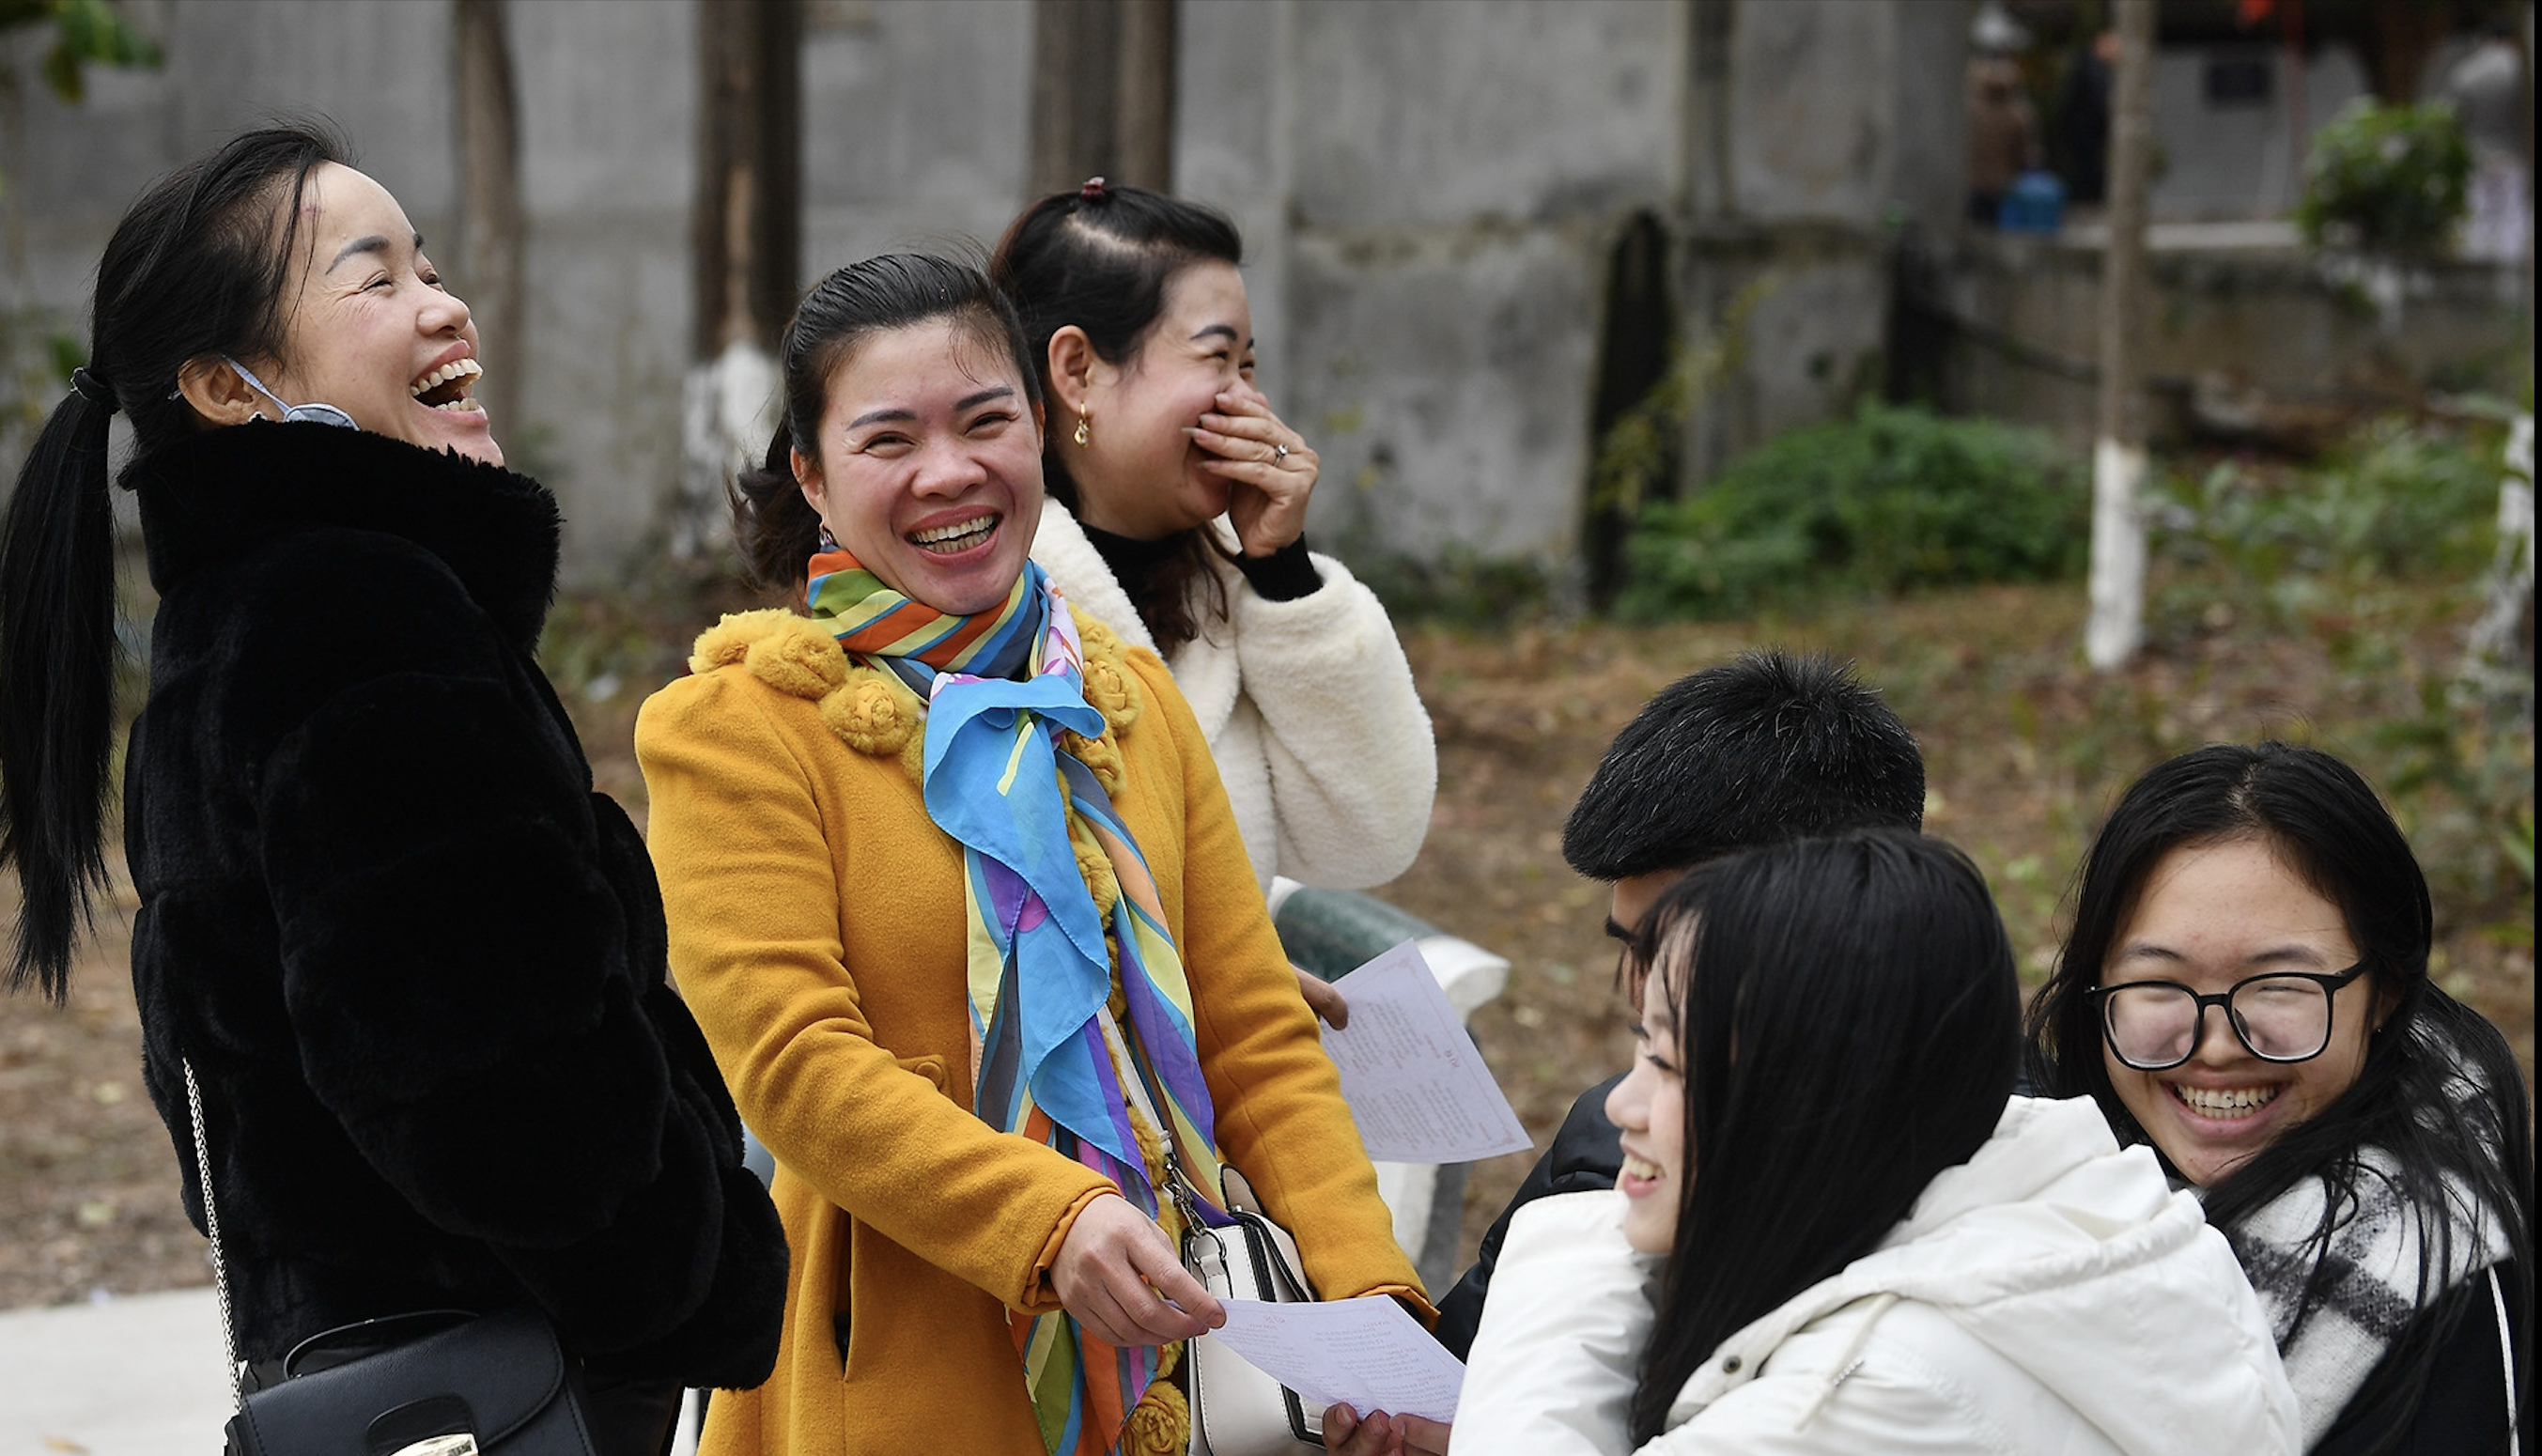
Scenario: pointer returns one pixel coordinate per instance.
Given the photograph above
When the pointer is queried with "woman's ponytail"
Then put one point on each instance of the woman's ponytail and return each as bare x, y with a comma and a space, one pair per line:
57, 662
195, 268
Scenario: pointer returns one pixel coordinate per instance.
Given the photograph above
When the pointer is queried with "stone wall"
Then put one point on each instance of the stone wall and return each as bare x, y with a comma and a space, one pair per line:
2247, 336
1430, 194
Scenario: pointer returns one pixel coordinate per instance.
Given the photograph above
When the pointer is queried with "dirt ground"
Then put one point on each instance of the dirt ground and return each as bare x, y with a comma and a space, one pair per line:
2025, 751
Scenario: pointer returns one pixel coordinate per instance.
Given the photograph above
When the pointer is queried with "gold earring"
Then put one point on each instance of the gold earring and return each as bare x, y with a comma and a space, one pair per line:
1083, 434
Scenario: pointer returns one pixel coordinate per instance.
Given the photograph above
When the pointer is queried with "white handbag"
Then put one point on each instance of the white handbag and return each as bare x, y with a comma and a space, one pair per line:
1235, 1408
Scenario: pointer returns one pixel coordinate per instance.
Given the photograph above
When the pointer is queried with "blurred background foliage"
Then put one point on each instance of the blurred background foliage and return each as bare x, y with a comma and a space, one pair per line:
2388, 180
1894, 499
84, 32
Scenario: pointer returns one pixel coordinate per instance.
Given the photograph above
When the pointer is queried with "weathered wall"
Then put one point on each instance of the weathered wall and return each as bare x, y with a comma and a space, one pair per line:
2234, 157
1458, 169
2259, 336
1846, 132
1429, 194
606, 116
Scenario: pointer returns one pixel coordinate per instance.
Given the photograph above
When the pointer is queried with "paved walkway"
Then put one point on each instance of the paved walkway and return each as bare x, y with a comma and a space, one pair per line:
138, 1376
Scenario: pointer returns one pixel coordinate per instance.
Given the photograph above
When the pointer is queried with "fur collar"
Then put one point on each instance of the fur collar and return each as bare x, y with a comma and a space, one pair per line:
219, 495
872, 711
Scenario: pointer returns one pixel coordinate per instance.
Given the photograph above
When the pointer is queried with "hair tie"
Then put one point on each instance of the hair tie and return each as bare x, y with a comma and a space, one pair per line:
93, 388
1094, 190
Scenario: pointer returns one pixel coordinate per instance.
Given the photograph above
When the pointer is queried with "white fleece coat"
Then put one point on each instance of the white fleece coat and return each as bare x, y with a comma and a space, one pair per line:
1309, 708
2050, 1295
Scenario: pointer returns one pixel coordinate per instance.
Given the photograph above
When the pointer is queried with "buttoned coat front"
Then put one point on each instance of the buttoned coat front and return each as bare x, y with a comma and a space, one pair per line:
818, 931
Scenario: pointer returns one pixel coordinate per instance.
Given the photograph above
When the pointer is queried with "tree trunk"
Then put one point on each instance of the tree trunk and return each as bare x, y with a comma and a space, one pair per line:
2405, 34
2116, 628
746, 229
1102, 94
491, 230
746, 251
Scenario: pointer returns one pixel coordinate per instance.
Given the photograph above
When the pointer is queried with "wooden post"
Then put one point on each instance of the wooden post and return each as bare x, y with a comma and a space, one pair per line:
1102, 94
2116, 628
492, 231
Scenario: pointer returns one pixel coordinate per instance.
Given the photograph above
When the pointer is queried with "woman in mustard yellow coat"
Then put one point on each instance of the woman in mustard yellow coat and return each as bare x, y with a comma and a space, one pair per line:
947, 867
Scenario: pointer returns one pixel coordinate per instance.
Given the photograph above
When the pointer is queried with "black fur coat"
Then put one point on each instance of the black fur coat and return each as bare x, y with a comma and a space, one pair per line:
417, 964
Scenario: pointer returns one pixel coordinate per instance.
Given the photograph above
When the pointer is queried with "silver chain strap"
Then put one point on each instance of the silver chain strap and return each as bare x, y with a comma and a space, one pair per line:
213, 1226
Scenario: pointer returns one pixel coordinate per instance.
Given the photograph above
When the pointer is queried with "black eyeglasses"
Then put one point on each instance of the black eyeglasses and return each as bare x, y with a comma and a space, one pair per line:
2278, 1016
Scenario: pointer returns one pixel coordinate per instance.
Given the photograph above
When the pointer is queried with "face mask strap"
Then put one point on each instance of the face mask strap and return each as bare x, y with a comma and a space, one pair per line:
314, 413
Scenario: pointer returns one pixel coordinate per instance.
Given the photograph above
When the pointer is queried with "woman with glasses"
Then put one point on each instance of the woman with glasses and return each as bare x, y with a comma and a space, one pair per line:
2246, 990
1837, 1231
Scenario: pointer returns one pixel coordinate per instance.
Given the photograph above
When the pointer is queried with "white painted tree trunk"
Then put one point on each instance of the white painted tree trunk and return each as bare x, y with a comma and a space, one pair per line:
2498, 667
2116, 628
729, 408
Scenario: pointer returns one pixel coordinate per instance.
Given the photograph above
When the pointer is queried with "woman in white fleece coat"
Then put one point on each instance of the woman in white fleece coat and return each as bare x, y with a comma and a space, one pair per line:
1834, 1234
1178, 516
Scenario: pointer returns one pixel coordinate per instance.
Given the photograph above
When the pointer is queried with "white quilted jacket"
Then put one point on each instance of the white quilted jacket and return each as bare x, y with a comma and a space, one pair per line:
1309, 707
2050, 1295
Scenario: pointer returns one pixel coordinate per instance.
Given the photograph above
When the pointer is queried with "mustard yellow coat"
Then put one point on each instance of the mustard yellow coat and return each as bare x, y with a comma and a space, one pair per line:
817, 932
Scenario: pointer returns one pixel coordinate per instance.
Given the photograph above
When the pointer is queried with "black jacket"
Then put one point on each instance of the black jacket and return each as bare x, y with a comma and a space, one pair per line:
1585, 1155
2457, 1402
417, 962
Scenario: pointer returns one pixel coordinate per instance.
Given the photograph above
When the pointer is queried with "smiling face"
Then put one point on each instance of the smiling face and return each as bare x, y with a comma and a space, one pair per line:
1649, 1107
370, 330
1139, 474
2210, 915
929, 467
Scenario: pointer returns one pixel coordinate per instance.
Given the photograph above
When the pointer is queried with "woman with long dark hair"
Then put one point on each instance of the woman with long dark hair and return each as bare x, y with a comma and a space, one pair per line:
1178, 517
412, 961
2360, 1136
1835, 1234
960, 905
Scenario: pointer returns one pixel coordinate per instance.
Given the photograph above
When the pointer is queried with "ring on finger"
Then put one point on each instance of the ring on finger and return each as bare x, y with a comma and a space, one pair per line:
1279, 454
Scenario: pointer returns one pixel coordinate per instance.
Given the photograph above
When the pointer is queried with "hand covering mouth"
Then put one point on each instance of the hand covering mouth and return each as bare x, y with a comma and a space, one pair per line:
448, 387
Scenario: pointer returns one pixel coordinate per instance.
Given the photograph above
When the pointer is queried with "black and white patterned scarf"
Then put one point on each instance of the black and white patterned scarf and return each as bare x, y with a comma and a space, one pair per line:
2336, 1309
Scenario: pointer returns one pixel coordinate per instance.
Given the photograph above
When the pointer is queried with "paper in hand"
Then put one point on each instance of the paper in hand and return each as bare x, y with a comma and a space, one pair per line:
1414, 1080
1365, 1351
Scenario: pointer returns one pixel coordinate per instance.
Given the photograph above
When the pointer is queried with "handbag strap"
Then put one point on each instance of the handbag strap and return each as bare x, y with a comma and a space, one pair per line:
1178, 1183
213, 1226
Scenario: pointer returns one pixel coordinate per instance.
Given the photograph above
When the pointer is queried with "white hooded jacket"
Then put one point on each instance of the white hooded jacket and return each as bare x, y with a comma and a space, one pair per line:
2051, 1296
1308, 706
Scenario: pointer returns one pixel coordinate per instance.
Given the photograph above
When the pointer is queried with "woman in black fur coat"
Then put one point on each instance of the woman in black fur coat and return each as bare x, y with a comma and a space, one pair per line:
415, 964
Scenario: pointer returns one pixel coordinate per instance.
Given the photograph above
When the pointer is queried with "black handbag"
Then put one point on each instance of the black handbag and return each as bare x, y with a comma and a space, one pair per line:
434, 1383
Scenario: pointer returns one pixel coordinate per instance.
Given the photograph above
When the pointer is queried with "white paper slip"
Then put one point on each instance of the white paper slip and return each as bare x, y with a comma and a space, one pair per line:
1414, 1080
1365, 1351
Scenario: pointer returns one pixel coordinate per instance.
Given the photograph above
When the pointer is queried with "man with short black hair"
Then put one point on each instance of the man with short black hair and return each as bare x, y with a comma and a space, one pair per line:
1765, 748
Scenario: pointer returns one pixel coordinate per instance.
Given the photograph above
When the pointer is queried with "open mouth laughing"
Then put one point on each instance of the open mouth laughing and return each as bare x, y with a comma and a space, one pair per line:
959, 537
449, 386
2223, 1103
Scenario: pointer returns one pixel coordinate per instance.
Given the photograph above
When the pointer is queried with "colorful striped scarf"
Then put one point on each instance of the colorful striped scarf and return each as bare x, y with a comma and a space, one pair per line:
1041, 971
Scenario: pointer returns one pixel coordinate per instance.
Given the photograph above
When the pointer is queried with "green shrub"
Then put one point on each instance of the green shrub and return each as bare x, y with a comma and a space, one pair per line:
1890, 500
2388, 180
2393, 501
